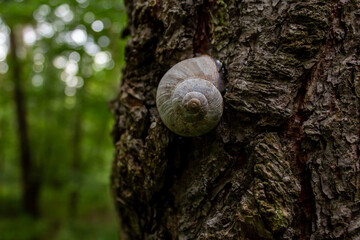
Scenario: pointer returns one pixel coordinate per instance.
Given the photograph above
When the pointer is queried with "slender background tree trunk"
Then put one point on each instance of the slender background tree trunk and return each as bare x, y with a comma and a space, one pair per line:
30, 181
76, 162
284, 161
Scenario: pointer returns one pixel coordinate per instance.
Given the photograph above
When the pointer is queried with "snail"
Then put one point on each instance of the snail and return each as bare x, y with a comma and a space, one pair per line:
188, 97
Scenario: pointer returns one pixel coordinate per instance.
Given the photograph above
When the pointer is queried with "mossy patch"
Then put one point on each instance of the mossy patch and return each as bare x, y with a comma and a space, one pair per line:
219, 18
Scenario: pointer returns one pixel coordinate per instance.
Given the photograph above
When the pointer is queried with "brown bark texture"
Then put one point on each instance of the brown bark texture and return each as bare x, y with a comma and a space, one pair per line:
283, 163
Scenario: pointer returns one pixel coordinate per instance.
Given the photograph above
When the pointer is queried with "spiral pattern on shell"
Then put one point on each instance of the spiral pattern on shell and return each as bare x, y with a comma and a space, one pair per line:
188, 98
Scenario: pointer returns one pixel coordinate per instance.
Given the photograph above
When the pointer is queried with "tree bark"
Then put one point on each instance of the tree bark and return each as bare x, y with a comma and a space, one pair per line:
29, 177
284, 161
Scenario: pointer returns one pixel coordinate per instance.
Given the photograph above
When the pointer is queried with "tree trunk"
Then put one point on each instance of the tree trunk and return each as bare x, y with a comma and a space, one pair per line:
284, 161
76, 161
29, 177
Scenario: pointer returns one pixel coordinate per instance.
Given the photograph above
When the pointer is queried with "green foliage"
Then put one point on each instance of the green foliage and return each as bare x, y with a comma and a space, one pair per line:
69, 72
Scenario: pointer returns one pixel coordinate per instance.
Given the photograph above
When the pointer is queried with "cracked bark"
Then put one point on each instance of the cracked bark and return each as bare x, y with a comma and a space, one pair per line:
284, 161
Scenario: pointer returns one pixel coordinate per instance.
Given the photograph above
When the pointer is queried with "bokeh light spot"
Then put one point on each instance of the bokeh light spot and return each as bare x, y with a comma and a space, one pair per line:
71, 67
104, 41
102, 58
39, 58
37, 80
45, 29
91, 48
64, 12
79, 36
3, 52
59, 62
3, 67
97, 26
74, 56
29, 35
89, 17
3, 38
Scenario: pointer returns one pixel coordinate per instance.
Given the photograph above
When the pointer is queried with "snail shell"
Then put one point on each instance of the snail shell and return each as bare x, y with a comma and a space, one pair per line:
188, 98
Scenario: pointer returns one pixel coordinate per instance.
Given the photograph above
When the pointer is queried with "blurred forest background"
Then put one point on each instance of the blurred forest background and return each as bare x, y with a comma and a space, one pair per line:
60, 65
